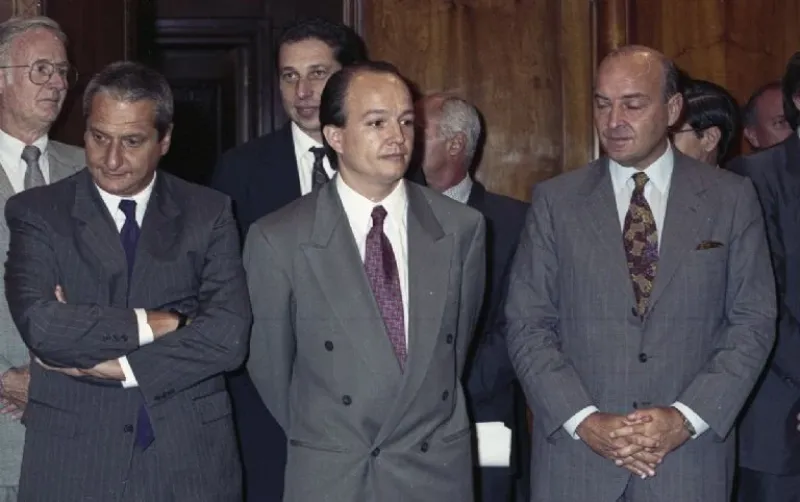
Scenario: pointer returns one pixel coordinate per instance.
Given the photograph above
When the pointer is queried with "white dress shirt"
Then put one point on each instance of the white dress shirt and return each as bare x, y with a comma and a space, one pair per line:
13, 165
359, 213
460, 191
305, 159
145, 332
656, 191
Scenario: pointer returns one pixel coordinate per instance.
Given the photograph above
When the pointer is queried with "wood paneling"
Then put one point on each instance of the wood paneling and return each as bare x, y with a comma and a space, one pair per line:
521, 62
737, 43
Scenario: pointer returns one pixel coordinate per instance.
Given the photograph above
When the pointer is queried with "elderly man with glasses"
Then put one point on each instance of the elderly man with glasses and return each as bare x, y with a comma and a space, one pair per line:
34, 81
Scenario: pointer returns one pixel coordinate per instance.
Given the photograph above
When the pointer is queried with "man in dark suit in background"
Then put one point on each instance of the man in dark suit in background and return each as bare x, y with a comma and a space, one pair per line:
262, 176
105, 268
769, 442
452, 130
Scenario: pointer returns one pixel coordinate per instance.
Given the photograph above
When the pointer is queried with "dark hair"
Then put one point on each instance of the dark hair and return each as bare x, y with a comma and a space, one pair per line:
332, 102
790, 85
706, 105
347, 46
749, 109
130, 82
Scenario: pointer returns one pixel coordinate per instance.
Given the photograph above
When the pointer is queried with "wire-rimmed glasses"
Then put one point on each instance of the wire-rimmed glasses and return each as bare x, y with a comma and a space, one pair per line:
42, 71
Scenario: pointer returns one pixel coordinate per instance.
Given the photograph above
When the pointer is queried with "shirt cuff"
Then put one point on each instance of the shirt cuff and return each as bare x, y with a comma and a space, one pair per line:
700, 425
130, 378
571, 425
145, 331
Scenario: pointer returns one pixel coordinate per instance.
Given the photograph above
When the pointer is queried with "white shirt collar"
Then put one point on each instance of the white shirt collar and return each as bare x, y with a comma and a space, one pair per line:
360, 207
659, 172
13, 146
460, 191
302, 141
142, 199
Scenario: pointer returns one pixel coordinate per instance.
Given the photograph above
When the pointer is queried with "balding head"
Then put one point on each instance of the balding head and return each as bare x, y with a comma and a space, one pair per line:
452, 130
636, 101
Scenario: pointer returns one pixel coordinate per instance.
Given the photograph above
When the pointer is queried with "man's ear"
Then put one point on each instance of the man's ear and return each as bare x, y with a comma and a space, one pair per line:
333, 135
751, 137
674, 108
456, 144
166, 141
711, 137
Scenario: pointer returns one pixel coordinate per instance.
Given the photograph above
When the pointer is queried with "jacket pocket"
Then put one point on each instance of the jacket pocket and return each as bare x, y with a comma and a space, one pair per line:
213, 406
457, 435
319, 447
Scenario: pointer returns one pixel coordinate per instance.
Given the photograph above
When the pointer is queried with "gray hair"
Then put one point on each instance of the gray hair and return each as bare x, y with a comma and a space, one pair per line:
458, 116
16, 26
131, 82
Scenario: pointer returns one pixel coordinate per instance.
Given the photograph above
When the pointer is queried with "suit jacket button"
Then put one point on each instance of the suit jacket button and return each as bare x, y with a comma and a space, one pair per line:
346, 400
445, 395
424, 447
642, 357
128, 428
328, 345
450, 338
376, 452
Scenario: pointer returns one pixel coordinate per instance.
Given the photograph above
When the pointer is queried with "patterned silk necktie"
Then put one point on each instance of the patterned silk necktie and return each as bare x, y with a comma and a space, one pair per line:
33, 172
384, 278
319, 176
640, 238
129, 235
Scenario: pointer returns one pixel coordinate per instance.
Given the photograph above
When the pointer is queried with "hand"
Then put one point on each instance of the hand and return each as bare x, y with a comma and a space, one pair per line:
665, 427
9, 408
15, 384
596, 431
162, 323
109, 370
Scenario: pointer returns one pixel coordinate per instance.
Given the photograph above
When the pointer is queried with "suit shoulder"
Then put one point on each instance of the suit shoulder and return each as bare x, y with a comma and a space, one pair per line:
46, 198
289, 216
506, 205
186, 191
444, 205
258, 148
74, 154
567, 183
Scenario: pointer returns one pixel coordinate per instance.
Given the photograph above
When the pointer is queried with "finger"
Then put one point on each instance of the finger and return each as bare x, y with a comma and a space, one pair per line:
642, 467
9, 408
643, 441
60, 294
650, 458
628, 450
627, 431
637, 470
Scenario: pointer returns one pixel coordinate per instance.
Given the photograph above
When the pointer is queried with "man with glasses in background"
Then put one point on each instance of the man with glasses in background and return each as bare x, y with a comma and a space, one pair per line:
35, 80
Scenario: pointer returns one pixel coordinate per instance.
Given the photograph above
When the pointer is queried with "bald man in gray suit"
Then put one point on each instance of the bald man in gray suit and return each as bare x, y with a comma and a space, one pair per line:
641, 307
28, 160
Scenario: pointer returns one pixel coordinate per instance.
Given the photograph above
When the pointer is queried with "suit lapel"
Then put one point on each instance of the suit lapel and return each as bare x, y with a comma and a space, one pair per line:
97, 231
6, 190
161, 227
683, 220
430, 252
602, 216
336, 263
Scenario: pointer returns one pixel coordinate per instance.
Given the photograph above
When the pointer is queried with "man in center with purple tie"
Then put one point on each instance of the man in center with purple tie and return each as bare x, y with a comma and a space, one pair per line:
365, 295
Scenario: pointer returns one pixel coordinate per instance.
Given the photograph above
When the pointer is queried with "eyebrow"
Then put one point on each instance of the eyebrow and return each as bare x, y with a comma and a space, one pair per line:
382, 111
635, 95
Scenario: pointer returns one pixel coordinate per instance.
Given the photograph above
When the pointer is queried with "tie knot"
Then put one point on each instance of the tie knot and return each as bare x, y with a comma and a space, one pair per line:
640, 179
128, 208
378, 215
31, 154
319, 153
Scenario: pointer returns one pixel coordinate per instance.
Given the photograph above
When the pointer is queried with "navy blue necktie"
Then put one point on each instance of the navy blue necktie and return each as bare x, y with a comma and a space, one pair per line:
129, 235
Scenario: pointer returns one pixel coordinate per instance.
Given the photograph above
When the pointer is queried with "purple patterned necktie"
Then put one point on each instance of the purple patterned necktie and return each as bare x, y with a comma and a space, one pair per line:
640, 238
129, 235
381, 267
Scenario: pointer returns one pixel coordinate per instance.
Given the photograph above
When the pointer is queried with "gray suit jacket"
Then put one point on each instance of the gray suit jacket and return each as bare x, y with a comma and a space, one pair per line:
358, 427
575, 341
64, 160
80, 431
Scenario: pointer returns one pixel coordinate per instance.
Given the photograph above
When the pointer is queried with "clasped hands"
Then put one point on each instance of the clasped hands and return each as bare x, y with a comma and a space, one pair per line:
638, 441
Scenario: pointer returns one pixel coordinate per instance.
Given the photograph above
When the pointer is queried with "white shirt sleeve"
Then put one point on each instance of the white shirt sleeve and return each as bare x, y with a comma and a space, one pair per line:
571, 425
145, 331
700, 425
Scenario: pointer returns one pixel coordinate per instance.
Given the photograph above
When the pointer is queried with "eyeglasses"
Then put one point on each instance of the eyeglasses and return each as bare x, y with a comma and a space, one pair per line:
43, 70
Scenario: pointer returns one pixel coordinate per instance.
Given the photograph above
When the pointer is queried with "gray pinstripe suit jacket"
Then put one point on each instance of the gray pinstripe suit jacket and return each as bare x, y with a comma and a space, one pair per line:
575, 341
80, 431
64, 160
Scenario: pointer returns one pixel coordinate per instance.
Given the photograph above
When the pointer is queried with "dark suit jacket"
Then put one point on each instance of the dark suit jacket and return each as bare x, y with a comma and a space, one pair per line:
769, 441
80, 431
492, 391
260, 177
